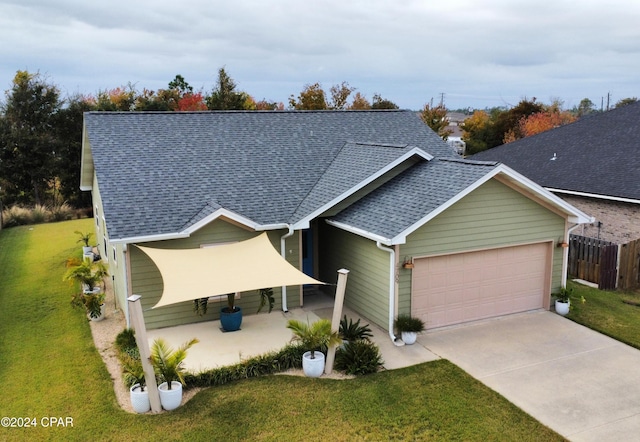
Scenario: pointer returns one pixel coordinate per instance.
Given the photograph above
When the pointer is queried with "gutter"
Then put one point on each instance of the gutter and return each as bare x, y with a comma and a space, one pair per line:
392, 292
283, 253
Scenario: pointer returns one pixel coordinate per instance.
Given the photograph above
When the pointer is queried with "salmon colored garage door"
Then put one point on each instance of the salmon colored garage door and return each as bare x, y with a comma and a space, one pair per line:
462, 287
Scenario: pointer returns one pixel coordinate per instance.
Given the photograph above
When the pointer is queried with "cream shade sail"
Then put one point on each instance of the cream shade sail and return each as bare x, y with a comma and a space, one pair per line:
253, 264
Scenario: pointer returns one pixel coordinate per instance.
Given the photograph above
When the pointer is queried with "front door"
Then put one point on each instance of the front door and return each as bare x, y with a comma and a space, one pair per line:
307, 252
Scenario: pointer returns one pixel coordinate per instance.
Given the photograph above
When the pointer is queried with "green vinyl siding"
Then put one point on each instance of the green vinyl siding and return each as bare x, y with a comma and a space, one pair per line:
147, 281
367, 290
494, 215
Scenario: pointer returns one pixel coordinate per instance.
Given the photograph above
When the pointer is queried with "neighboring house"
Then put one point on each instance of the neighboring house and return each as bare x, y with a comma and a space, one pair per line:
375, 192
593, 163
455, 126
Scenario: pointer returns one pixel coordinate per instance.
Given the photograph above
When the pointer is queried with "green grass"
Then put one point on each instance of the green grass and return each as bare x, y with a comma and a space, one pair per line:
615, 314
49, 367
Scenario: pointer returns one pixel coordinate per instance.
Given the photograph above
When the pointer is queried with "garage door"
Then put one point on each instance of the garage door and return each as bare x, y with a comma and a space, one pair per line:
463, 287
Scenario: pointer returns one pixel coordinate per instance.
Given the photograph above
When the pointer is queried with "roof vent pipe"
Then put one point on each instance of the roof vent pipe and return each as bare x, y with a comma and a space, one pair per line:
283, 253
392, 291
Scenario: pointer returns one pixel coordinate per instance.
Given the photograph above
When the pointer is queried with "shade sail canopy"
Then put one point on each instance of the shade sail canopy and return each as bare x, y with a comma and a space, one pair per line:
253, 264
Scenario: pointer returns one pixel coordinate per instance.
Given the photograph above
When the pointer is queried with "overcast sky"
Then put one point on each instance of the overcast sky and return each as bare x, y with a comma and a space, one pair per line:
478, 53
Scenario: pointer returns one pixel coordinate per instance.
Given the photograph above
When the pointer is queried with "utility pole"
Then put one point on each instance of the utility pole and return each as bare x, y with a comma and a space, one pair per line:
441, 99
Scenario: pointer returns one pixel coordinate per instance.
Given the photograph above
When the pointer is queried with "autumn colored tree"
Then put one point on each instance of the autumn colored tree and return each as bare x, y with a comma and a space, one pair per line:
551, 117
162, 100
477, 132
339, 95
192, 102
312, 97
117, 99
269, 105
436, 119
359, 102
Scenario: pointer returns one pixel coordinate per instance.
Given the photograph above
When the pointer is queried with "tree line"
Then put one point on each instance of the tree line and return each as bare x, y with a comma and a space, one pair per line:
41, 132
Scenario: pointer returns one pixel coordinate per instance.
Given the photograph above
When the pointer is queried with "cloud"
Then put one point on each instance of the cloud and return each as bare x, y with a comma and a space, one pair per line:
407, 50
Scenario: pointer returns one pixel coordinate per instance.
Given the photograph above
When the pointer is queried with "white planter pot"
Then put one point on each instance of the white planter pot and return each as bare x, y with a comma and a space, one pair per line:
409, 337
313, 368
139, 399
562, 308
99, 318
86, 250
170, 399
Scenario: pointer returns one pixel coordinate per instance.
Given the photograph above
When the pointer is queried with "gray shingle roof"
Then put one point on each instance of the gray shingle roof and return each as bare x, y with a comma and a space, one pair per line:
161, 172
598, 155
409, 197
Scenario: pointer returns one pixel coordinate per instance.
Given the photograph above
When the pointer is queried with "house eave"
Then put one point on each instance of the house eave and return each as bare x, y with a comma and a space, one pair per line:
360, 232
594, 195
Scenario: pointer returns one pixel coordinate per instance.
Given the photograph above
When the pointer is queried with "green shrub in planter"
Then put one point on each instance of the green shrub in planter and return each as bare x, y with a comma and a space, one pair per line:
358, 358
408, 323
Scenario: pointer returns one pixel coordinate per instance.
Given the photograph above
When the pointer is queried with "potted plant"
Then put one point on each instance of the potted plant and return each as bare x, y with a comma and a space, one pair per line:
169, 367
84, 239
231, 315
563, 301
89, 275
133, 375
409, 327
316, 337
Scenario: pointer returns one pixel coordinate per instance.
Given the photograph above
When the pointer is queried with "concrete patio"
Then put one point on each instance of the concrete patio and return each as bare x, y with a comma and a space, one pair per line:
268, 332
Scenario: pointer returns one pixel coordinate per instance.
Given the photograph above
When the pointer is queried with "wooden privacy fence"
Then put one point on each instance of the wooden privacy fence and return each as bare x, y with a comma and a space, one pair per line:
607, 264
629, 270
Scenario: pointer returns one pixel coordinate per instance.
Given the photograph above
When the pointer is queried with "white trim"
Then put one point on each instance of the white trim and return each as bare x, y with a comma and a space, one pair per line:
217, 214
575, 216
200, 224
360, 232
304, 222
594, 195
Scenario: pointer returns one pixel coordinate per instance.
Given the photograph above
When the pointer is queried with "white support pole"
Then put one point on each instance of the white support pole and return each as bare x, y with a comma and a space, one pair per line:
337, 314
137, 321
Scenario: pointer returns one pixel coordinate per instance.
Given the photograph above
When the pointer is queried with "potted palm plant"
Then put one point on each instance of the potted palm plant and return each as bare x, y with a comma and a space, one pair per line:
133, 375
169, 367
89, 275
316, 338
84, 239
409, 326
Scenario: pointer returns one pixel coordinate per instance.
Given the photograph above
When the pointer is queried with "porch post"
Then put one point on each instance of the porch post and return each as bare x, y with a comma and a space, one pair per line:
137, 320
337, 314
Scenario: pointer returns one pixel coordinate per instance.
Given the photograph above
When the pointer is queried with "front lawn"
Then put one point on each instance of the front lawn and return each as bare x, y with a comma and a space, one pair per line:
615, 314
50, 368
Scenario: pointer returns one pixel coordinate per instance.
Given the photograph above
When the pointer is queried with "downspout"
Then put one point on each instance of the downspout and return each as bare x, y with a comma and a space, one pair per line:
283, 252
392, 292
565, 257
127, 269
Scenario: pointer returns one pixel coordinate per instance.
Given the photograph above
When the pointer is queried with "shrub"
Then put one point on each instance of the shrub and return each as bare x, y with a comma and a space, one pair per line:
408, 323
358, 358
353, 331
126, 340
39, 214
61, 212
16, 216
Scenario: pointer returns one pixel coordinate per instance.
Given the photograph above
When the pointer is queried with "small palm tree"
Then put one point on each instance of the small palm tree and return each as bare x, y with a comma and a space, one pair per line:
316, 336
169, 363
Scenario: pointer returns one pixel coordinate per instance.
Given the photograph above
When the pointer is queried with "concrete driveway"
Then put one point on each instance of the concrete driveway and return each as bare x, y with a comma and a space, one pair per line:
584, 385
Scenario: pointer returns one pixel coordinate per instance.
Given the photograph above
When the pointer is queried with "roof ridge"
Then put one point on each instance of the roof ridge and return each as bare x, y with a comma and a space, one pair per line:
467, 161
